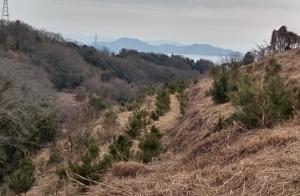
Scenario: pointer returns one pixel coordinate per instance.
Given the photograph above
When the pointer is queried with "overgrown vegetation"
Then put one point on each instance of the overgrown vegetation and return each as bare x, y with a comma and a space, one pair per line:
110, 119
90, 166
137, 122
150, 145
97, 104
23, 129
120, 148
262, 106
175, 86
259, 103
223, 85
22, 179
183, 100
162, 102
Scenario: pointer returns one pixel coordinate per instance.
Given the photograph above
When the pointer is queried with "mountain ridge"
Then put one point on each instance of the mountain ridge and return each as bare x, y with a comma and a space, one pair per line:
167, 48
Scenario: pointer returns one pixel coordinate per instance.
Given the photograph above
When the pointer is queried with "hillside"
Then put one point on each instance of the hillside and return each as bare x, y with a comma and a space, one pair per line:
135, 44
78, 121
198, 158
50, 88
68, 66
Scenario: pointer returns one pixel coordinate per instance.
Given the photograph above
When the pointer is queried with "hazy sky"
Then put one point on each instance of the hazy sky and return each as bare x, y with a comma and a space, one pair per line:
235, 24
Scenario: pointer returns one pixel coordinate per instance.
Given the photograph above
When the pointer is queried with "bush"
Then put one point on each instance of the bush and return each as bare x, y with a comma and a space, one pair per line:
136, 123
183, 100
97, 104
89, 168
110, 119
155, 131
22, 179
150, 145
221, 124
120, 148
175, 86
45, 130
262, 106
154, 116
223, 85
162, 102
219, 90
25, 128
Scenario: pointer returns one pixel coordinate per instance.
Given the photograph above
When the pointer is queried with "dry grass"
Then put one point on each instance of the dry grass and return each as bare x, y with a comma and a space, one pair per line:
200, 161
128, 169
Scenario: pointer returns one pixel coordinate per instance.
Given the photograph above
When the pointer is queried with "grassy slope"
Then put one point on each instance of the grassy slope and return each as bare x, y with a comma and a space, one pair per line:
231, 162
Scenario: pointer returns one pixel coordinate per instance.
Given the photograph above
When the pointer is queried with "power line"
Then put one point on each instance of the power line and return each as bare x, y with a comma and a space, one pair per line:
5, 13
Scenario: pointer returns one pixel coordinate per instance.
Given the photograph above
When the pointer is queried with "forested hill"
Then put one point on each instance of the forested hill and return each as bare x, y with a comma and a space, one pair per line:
68, 66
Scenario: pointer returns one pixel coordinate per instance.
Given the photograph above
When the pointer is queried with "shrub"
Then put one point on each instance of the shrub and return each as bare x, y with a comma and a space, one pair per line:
136, 123
221, 124
22, 179
150, 145
61, 171
183, 100
262, 106
154, 116
97, 104
25, 128
219, 91
155, 131
89, 168
175, 86
110, 119
224, 84
162, 102
45, 130
120, 148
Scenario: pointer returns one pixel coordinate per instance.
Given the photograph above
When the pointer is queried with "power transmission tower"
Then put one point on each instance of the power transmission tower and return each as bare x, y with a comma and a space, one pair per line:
5, 14
96, 40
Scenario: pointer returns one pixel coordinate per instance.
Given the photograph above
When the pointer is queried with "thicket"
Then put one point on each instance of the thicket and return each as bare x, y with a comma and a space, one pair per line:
259, 103
23, 130
262, 105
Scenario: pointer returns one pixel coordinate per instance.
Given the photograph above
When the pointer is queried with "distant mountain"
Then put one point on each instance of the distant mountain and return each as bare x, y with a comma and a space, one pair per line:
141, 46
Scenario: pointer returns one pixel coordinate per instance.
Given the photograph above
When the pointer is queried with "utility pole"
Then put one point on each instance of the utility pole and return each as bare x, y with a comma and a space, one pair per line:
5, 14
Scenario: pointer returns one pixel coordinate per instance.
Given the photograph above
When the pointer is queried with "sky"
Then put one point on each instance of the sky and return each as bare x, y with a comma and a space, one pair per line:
233, 24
